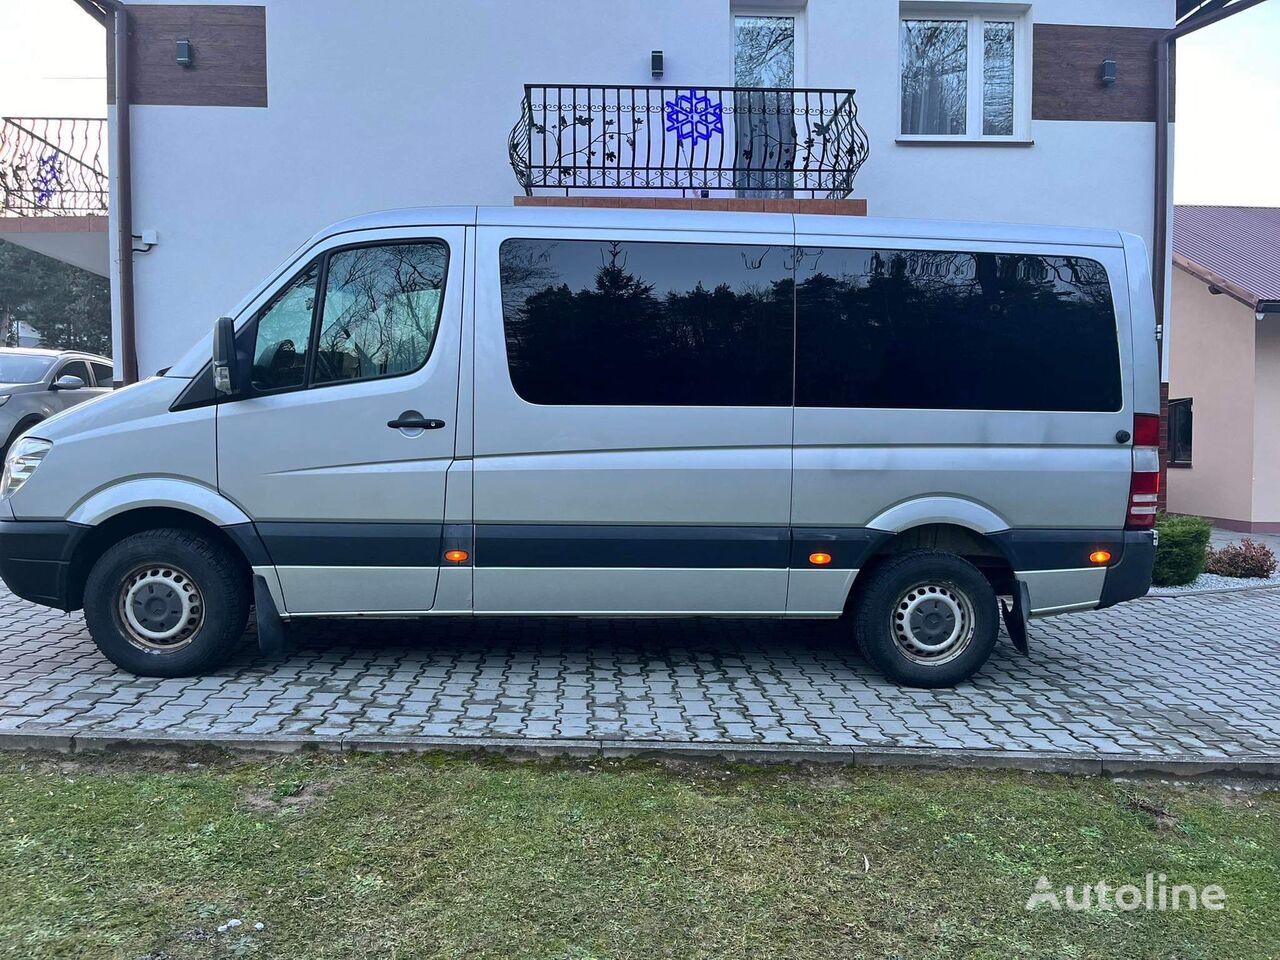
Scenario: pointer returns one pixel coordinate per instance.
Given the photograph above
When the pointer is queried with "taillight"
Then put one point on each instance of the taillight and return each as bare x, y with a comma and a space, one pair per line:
1144, 482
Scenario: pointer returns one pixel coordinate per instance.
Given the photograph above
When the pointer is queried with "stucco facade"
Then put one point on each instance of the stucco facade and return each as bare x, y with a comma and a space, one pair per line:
1228, 362
400, 103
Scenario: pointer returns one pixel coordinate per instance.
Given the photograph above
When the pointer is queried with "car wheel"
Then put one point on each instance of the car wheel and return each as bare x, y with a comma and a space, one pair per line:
927, 619
167, 603
18, 431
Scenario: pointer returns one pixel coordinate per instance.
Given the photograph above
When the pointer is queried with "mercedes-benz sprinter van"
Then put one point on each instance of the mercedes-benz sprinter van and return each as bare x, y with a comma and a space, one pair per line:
585, 412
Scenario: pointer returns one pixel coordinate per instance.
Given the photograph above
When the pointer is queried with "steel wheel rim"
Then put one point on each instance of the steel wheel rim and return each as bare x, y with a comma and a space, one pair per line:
161, 608
932, 623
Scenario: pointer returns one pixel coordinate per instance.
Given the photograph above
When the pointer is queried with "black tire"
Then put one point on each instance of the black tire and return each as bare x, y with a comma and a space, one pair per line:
954, 610
18, 431
195, 583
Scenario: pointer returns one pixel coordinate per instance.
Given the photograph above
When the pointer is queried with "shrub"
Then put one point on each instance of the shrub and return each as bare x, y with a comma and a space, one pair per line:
1180, 554
1248, 558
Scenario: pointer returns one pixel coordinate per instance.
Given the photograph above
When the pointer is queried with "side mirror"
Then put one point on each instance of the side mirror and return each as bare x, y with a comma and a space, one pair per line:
225, 374
67, 383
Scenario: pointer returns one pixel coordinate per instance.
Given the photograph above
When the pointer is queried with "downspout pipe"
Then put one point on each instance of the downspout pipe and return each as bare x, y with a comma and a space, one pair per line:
114, 13
124, 195
1164, 81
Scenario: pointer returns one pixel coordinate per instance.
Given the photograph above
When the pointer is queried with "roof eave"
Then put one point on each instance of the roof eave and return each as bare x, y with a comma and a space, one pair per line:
1221, 283
100, 10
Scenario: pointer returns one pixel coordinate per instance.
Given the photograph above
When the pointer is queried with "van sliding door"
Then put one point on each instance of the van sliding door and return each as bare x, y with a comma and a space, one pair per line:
632, 422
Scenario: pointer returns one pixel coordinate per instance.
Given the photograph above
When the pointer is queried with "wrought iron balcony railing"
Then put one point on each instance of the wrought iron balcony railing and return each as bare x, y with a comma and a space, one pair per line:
53, 166
748, 141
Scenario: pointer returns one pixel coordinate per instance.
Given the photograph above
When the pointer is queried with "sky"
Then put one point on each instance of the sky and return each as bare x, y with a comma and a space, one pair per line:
1228, 131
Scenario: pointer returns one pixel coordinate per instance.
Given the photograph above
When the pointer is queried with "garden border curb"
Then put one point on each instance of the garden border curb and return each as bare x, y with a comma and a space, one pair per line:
1209, 593
1183, 766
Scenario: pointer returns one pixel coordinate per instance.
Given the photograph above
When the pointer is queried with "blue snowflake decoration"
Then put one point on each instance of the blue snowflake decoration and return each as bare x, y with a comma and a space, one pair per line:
48, 179
692, 116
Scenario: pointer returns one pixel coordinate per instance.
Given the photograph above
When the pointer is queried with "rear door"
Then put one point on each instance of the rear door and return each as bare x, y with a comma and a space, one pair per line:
341, 448
103, 374
632, 420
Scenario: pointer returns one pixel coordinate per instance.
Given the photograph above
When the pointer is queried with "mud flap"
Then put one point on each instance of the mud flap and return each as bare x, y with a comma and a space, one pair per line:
273, 635
1015, 620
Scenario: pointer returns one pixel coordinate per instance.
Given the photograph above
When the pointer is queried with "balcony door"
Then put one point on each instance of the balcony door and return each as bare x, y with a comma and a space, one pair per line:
765, 55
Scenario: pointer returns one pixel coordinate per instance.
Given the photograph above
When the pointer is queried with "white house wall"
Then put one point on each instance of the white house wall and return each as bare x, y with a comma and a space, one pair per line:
404, 102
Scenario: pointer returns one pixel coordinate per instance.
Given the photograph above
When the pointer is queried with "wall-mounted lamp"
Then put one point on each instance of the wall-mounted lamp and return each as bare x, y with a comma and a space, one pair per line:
186, 53
1107, 73
655, 63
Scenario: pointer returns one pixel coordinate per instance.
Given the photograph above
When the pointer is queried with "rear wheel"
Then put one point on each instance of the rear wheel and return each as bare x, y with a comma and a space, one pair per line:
927, 619
167, 603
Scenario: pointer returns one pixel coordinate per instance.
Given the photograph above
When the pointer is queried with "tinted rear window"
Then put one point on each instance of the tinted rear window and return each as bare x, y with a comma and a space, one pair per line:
648, 324
954, 331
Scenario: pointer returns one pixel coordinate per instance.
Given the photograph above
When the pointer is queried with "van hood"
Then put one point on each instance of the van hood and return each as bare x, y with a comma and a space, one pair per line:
143, 399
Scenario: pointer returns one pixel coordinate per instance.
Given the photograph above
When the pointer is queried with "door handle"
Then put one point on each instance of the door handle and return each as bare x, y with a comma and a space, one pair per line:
414, 421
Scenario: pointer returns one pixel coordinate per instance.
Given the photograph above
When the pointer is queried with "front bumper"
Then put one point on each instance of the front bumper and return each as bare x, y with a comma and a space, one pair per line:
35, 559
1130, 578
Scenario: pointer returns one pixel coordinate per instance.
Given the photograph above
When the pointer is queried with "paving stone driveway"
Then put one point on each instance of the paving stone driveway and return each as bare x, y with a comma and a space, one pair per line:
1196, 676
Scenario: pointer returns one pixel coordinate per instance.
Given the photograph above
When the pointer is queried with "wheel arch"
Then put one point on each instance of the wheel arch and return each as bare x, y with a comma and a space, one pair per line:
980, 548
21, 427
947, 511
119, 525
184, 496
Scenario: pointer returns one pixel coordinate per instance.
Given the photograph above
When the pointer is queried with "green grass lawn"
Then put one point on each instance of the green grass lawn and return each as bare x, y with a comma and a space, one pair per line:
423, 856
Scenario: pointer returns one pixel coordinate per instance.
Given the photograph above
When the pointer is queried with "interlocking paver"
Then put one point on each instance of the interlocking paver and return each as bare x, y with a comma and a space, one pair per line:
1162, 677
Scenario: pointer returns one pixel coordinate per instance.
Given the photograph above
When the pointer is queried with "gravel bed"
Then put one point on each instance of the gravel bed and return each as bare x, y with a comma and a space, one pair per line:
1213, 583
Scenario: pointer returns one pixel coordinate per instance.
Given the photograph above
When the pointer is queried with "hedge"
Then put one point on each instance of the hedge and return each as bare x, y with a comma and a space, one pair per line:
1180, 554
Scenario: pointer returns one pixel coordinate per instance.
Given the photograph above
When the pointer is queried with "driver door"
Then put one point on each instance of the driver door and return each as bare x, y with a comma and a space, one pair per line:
340, 446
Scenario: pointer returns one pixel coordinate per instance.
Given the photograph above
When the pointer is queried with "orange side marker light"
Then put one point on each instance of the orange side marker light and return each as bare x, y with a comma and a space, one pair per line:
457, 556
1100, 556
820, 559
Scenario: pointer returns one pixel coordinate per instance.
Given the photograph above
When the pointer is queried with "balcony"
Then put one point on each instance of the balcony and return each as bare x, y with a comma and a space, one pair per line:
54, 188
753, 142
53, 166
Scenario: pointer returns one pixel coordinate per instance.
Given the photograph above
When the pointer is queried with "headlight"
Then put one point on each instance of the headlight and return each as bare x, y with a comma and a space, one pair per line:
24, 456
4, 398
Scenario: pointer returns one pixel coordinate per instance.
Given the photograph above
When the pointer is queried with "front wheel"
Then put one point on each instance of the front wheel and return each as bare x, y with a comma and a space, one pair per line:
927, 619
167, 603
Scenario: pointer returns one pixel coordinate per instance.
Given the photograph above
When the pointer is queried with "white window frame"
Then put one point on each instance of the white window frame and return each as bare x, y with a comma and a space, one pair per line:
975, 15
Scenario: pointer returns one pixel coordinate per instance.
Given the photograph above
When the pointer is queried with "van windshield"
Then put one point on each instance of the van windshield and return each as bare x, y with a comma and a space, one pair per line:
21, 368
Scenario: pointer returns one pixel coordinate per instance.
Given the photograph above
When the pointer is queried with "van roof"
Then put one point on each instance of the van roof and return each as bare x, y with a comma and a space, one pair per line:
704, 221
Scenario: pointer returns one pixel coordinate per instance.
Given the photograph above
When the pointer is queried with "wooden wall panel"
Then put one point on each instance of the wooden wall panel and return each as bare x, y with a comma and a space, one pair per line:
1067, 59
230, 46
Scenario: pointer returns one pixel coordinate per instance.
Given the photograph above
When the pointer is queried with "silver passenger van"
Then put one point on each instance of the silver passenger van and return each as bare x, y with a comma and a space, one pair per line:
919, 426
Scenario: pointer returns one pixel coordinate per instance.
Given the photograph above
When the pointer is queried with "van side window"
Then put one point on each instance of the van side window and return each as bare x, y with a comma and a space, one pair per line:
935, 330
283, 333
381, 310
648, 324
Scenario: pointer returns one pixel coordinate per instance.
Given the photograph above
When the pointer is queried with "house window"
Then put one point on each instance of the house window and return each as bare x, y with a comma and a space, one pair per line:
1180, 432
964, 75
